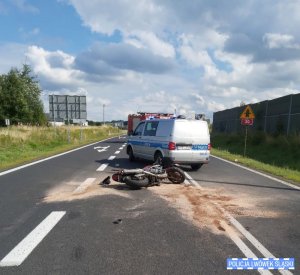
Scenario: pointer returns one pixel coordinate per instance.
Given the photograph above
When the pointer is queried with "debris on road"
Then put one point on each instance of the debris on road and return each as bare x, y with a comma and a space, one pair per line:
65, 191
199, 205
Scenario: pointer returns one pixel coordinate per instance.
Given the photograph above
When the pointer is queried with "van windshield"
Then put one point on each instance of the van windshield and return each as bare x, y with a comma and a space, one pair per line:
194, 128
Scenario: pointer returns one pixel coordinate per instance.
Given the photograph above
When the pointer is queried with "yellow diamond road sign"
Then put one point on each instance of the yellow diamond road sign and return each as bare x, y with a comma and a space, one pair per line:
247, 113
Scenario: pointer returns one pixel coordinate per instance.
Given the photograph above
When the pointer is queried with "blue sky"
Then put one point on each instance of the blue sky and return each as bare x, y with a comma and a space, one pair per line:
49, 24
193, 56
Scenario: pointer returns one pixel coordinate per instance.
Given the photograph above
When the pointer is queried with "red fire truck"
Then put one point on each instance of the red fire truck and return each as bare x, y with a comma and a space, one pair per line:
134, 119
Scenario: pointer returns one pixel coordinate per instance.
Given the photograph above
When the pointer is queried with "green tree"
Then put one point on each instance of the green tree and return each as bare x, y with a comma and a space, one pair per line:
20, 97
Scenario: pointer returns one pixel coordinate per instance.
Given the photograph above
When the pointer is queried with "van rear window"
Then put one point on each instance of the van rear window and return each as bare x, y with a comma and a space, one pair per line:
194, 128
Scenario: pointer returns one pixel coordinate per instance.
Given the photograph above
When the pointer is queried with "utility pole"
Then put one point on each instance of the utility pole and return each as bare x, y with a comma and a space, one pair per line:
103, 114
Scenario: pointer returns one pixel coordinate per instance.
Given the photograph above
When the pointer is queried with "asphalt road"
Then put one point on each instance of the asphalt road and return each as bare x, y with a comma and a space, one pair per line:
115, 230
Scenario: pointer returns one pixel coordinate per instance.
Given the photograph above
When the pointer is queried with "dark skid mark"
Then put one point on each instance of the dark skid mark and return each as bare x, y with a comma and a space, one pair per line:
77, 253
118, 221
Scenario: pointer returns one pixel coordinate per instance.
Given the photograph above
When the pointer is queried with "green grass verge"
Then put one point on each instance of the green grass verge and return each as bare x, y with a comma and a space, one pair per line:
279, 156
20, 145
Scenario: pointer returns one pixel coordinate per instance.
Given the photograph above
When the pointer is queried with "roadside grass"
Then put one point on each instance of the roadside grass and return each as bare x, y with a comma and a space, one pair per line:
22, 144
279, 155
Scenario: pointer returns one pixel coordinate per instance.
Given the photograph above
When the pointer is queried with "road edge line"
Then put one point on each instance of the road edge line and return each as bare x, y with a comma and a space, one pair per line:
238, 226
259, 173
48, 158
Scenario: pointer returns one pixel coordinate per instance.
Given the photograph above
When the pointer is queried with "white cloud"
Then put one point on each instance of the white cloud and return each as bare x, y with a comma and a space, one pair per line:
277, 40
106, 16
149, 40
210, 104
196, 58
186, 55
55, 68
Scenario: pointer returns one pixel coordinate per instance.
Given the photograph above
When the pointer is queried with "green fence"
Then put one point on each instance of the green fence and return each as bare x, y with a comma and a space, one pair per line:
277, 116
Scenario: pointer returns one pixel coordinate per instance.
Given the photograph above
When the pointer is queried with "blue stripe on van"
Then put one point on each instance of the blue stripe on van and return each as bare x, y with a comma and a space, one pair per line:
149, 144
165, 145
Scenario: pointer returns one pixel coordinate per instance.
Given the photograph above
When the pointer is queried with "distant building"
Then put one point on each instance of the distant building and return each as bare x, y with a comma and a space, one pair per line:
118, 123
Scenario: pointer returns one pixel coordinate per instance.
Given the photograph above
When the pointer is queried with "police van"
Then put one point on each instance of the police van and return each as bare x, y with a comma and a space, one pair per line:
181, 141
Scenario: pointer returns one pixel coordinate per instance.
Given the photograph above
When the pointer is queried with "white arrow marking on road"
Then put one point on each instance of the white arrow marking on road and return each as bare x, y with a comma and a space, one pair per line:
26, 246
101, 148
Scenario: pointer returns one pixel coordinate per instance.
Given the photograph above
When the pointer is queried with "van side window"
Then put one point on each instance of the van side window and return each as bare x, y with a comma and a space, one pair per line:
150, 129
139, 129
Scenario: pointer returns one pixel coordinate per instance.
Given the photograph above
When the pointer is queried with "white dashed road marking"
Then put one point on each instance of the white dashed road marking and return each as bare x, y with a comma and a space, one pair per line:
117, 152
27, 245
102, 167
82, 187
111, 157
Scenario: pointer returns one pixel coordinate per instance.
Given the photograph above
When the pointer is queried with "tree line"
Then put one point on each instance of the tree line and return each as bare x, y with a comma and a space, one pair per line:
20, 100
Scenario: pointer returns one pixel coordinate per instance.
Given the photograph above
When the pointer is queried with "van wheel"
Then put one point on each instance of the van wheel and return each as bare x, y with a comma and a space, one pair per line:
158, 158
196, 166
131, 155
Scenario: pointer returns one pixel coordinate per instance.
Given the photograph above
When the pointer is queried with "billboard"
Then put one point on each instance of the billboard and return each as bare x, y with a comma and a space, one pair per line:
66, 107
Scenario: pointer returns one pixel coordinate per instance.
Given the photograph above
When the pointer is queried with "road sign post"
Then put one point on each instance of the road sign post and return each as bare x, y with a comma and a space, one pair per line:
246, 136
247, 119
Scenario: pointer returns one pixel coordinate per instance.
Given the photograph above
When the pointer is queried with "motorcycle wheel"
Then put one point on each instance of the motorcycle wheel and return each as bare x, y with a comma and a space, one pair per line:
175, 175
135, 182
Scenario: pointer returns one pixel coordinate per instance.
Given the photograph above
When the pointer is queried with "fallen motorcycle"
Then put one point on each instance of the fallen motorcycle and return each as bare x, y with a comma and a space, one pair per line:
149, 176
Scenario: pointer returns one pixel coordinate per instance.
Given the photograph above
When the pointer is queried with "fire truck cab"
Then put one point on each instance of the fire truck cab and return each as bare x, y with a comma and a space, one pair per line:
135, 119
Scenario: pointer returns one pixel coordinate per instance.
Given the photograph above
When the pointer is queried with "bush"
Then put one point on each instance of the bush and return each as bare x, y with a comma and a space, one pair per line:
258, 138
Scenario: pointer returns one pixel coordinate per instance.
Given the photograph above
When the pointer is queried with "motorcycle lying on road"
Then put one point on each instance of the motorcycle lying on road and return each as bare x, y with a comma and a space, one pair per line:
148, 176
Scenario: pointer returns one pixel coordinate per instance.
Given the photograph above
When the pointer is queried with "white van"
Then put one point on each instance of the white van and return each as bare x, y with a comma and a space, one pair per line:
181, 141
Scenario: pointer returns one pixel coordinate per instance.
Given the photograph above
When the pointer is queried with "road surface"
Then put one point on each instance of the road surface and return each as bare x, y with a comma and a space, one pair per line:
56, 219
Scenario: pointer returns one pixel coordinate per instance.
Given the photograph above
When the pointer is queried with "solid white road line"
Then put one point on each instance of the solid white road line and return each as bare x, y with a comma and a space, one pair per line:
192, 180
117, 152
259, 173
111, 157
264, 251
45, 159
82, 187
102, 167
26, 246
241, 245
